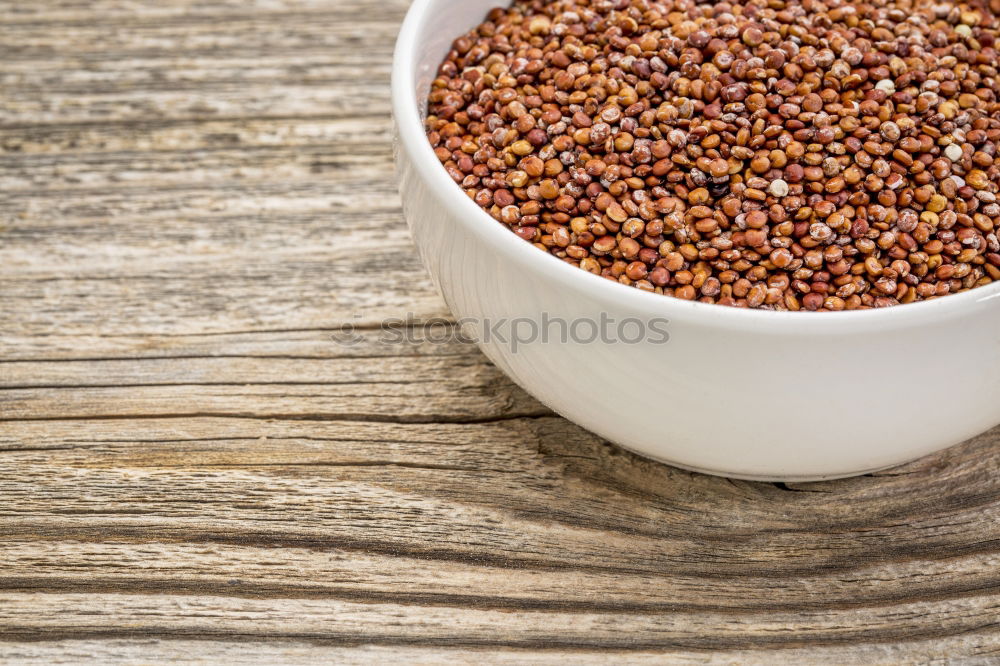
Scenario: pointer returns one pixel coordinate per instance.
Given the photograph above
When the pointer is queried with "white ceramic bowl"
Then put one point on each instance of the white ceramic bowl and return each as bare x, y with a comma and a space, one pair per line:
740, 393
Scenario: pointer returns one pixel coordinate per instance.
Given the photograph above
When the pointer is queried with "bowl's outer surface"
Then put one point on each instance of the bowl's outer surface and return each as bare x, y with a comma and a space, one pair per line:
763, 395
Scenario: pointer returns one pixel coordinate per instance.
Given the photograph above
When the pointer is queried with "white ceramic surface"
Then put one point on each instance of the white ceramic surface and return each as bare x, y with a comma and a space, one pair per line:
740, 393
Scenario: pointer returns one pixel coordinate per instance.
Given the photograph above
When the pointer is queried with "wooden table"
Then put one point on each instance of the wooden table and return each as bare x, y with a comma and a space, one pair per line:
194, 198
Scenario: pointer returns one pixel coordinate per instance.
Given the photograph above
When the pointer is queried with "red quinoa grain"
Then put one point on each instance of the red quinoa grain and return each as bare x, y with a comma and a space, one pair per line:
772, 154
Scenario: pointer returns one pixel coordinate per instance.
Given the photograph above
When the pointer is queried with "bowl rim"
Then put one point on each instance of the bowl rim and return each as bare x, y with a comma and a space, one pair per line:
406, 109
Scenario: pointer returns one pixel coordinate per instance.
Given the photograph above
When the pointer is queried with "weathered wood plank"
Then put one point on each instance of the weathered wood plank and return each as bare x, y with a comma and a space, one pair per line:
157, 136
84, 12
129, 651
544, 471
227, 617
291, 344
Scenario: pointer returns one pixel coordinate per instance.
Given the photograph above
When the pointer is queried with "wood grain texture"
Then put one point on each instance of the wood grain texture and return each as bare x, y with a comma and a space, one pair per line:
194, 198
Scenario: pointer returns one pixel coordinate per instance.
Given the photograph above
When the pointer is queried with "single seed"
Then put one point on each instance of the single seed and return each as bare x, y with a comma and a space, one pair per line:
756, 219
937, 203
549, 189
890, 131
781, 258
977, 179
887, 86
970, 18
539, 25
778, 188
719, 168
517, 179
617, 213
521, 148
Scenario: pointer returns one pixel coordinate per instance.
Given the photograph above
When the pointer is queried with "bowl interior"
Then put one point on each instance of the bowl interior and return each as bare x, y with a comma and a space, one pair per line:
430, 28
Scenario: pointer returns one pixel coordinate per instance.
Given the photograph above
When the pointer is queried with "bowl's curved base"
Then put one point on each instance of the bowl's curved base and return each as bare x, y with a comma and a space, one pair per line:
765, 479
